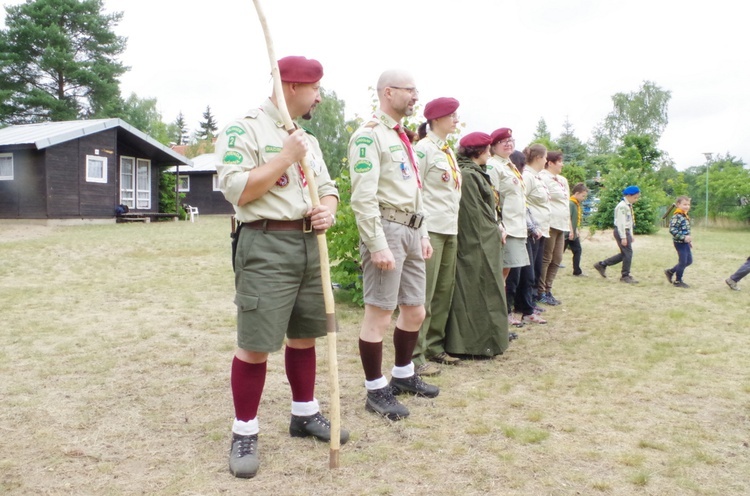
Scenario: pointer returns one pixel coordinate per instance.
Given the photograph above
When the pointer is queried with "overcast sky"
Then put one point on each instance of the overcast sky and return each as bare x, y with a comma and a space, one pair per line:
509, 63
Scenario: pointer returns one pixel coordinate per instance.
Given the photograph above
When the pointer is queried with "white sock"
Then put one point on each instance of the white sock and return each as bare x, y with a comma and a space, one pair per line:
246, 428
305, 408
376, 384
403, 372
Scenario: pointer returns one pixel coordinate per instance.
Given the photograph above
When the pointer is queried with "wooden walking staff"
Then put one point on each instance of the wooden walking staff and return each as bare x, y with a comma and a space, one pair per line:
325, 272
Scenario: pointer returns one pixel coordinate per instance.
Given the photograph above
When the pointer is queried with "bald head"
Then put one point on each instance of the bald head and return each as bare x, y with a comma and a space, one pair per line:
394, 77
397, 93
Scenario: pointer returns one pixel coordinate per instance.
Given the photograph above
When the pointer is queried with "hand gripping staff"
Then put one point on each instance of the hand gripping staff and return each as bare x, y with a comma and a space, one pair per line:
325, 272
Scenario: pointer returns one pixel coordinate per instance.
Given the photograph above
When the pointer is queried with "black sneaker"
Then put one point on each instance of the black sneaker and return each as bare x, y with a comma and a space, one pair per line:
413, 385
382, 402
670, 274
314, 425
601, 269
552, 300
628, 280
243, 456
680, 284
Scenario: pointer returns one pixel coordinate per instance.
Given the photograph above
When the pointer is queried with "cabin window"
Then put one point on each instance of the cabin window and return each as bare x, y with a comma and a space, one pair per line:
143, 184
183, 183
6, 166
127, 181
216, 182
96, 169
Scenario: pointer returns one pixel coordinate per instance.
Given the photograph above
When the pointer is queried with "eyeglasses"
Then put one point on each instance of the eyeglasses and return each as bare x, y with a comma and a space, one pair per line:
508, 141
414, 91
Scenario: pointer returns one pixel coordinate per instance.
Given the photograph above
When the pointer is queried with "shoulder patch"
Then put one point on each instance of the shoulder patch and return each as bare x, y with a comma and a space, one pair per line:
232, 158
420, 154
362, 166
234, 130
363, 140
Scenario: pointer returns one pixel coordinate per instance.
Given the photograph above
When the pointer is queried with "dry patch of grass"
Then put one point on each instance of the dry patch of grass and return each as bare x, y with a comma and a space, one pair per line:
117, 342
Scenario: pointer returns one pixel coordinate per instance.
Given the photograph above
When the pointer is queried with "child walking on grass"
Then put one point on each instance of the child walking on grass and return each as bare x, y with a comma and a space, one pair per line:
679, 228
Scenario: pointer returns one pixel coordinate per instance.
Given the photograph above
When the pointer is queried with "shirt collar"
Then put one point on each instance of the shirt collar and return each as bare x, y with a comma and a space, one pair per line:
436, 139
386, 119
271, 111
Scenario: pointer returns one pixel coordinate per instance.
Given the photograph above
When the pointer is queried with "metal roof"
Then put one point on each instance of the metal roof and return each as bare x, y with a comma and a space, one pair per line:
202, 163
46, 134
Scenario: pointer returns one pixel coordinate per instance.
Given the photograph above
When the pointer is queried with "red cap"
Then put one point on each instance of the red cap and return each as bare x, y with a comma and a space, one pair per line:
501, 134
476, 139
440, 107
297, 69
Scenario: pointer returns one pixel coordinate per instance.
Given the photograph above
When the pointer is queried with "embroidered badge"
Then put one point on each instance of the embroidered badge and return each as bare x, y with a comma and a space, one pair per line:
396, 148
231, 142
362, 152
515, 180
405, 171
232, 158
234, 130
283, 181
420, 154
273, 149
363, 140
445, 177
363, 166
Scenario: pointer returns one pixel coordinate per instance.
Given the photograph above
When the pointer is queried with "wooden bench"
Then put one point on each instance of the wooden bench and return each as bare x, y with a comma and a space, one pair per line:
145, 216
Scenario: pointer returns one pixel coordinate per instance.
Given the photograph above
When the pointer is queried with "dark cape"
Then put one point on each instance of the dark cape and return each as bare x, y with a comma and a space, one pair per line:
478, 319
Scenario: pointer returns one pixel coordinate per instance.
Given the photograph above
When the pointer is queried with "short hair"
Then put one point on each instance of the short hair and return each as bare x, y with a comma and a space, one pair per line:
681, 199
554, 156
579, 188
518, 159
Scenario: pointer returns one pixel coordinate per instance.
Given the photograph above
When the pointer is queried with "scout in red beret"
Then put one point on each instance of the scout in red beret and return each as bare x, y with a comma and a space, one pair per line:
501, 134
298, 69
440, 107
476, 139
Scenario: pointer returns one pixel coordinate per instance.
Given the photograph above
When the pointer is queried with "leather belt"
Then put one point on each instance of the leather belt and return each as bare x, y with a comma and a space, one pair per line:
304, 225
409, 220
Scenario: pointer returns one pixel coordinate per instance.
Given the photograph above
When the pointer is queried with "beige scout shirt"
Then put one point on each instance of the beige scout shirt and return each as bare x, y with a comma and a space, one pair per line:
502, 172
382, 175
624, 218
559, 194
251, 142
537, 199
441, 192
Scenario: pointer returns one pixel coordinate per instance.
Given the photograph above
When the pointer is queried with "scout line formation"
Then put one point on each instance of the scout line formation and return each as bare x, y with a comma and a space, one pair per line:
459, 242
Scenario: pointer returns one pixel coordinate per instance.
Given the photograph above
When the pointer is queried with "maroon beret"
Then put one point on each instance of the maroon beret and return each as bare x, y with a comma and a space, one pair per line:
475, 139
501, 134
297, 69
440, 107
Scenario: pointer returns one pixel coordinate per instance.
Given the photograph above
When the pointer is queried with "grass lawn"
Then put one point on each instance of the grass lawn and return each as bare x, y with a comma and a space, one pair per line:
117, 342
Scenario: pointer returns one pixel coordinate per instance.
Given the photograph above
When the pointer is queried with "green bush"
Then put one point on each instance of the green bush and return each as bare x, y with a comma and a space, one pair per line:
343, 243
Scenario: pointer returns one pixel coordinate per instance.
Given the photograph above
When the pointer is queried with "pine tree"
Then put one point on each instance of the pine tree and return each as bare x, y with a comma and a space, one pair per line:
208, 126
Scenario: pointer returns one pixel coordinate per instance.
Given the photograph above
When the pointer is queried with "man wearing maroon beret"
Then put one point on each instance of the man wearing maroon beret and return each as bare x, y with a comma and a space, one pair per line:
277, 265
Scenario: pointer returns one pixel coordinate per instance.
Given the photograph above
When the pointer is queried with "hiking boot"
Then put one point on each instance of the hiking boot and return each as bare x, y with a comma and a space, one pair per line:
382, 402
628, 280
445, 359
732, 284
680, 284
413, 385
427, 369
243, 456
533, 319
670, 274
601, 269
314, 425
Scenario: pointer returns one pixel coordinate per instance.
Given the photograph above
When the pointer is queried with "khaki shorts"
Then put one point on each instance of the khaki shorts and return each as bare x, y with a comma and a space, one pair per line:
405, 285
279, 289
515, 253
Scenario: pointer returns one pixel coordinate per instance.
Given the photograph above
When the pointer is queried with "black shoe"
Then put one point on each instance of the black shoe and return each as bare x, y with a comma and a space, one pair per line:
628, 280
601, 269
243, 456
680, 284
314, 425
413, 385
382, 402
669, 273
512, 336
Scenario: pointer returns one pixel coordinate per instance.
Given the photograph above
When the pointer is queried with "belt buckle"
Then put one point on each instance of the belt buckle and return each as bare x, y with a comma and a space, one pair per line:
306, 224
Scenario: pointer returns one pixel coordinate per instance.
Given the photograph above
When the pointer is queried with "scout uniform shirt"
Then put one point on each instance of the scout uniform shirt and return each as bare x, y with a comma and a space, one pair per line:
559, 194
537, 198
382, 175
624, 218
509, 184
251, 142
441, 183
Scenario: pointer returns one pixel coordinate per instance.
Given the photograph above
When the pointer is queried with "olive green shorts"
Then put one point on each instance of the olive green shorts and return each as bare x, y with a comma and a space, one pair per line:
278, 289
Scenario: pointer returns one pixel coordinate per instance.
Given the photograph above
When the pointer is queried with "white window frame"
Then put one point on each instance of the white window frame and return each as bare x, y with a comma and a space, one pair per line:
89, 177
215, 180
143, 203
7, 177
130, 202
183, 188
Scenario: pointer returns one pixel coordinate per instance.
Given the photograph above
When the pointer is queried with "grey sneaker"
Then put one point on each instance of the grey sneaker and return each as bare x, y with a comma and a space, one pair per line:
601, 269
243, 457
413, 385
732, 284
314, 425
427, 368
628, 280
382, 402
